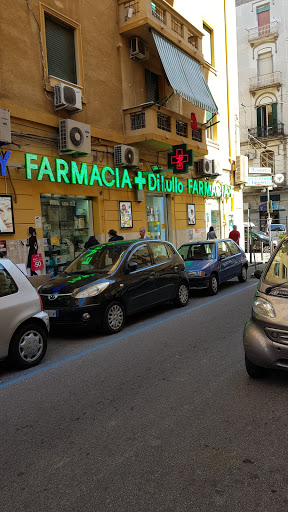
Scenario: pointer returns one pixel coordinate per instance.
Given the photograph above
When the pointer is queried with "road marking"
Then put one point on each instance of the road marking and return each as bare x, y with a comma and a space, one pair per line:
185, 311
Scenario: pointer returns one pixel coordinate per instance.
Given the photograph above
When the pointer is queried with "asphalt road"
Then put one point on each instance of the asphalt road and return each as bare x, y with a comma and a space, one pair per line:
161, 417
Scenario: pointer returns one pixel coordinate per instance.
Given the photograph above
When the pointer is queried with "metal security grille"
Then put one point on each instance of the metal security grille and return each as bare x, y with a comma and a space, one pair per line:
181, 128
163, 122
197, 135
60, 50
137, 120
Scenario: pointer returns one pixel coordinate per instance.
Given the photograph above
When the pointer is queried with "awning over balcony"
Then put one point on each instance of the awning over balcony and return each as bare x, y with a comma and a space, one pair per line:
185, 75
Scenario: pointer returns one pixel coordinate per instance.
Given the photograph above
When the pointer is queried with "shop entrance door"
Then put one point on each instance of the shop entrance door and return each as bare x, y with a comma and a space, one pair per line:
156, 217
213, 216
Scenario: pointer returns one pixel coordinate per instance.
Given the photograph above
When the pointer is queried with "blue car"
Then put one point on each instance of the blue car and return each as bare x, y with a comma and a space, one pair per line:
212, 262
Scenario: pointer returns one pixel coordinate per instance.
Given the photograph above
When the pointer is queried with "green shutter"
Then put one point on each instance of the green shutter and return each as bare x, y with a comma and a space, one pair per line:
259, 124
151, 86
274, 119
60, 50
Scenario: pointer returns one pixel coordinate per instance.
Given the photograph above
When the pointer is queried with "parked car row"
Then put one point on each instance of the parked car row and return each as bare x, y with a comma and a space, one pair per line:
107, 283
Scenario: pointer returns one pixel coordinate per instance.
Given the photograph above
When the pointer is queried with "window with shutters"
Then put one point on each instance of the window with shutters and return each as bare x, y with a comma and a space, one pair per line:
60, 50
267, 120
210, 120
151, 86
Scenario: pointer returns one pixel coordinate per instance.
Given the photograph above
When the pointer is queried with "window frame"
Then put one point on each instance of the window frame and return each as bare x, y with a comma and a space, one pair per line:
137, 249
206, 27
12, 282
50, 80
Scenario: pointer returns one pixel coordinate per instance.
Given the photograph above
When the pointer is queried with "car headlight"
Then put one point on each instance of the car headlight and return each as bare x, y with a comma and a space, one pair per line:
91, 291
263, 307
197, 273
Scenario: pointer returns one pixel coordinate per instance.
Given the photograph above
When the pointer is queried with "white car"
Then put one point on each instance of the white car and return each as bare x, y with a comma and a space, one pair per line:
23, 323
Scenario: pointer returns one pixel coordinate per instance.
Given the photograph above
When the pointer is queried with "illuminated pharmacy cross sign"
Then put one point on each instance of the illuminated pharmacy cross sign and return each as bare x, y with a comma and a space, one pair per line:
180, 159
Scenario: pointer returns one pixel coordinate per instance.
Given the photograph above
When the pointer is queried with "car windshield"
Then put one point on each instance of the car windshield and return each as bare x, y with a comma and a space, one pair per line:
277, 273
198, 252
278, 227
102, 258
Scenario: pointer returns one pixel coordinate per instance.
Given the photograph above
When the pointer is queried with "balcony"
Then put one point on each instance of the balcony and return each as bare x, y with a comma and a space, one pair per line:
265, 81
161, 128
266, 132
136, 17
266, 33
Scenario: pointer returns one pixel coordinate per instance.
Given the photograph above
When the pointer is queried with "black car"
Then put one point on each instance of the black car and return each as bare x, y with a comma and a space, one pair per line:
109, 281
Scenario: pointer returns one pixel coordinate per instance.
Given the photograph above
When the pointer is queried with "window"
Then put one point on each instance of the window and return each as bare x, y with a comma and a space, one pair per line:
265, 64
170, 251
60, 46
267, 160
263, 15
163, 122
181, 128
141, 256
223, 250
207, 42
233, 248
267, 123
151, 86
137, 120
159, 252
210, 129
7, 284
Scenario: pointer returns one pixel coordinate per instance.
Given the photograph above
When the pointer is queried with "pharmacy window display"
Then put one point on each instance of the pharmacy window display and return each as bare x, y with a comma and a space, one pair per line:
67, 225
155, 217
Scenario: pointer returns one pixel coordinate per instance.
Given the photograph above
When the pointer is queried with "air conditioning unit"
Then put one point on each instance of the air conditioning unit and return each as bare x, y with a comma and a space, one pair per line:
5, 127
241, 171
126, 156
74, 137
66, 96
138, 49
205, 167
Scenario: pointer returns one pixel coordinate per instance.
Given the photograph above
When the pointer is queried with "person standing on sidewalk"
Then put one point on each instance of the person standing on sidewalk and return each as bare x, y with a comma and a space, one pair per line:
211, 235
234, 234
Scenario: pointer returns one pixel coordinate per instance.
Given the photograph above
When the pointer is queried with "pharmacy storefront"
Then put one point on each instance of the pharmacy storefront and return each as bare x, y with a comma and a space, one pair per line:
67, 201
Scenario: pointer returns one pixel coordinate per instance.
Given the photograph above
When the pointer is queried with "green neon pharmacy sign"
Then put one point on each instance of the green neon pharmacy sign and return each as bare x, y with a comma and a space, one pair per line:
79, 174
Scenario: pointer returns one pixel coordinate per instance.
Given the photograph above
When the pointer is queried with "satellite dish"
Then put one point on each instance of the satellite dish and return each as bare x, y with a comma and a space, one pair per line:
279, 178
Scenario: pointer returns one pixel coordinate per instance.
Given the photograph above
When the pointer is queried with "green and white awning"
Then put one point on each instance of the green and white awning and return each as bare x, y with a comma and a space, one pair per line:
185, 75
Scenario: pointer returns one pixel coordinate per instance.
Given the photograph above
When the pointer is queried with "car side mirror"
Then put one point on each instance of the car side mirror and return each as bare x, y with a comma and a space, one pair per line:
132, 266
257, 274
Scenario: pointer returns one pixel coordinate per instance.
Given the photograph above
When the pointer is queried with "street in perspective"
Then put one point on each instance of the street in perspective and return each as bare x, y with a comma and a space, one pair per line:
143, 256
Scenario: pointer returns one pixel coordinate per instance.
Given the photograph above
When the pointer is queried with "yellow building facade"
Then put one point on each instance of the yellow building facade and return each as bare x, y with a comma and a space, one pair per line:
97, 100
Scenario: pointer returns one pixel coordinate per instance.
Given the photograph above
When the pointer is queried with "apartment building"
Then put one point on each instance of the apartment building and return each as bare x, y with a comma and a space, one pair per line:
263, 60
115, 114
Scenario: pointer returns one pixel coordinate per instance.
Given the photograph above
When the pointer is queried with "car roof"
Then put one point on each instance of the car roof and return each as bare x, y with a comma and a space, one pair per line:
209, 241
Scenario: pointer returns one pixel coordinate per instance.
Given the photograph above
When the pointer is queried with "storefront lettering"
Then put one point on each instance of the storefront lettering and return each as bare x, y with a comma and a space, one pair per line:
3, 162
108, 177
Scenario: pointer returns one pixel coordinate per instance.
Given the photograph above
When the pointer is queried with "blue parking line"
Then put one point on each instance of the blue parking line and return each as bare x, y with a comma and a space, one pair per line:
185, 311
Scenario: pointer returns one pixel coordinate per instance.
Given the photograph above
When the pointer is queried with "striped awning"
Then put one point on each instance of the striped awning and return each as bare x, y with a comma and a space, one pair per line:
185, 75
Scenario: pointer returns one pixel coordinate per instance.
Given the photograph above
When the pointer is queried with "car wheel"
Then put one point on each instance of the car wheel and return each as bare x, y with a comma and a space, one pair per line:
266, 249
254, 371
243, 276
213, 285
28, 345
182, 296
114, 318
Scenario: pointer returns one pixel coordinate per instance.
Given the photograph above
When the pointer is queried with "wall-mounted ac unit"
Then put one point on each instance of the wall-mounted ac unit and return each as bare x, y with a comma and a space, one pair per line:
66, 96
205, 167
5, 127
241, 170
126, 156
138, 49
74, 137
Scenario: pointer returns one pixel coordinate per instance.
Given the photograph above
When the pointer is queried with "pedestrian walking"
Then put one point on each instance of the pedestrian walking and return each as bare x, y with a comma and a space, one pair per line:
211, 234
143, 236
113, 236
91, 242
234, 234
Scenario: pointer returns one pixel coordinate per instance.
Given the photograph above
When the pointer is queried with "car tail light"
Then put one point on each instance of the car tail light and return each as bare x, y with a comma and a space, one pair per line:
41, 303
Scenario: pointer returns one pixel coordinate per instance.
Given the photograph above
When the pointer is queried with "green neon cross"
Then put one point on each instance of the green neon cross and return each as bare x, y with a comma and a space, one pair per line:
139, 180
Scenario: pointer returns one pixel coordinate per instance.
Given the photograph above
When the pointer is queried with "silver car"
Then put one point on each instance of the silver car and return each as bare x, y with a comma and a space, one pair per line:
266, 334
23, 323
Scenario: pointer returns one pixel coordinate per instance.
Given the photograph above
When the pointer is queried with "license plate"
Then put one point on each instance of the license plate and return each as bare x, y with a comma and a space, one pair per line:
52, 313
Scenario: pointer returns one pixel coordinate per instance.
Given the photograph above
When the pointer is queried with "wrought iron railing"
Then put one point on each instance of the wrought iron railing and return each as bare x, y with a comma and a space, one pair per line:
137, 120
264, 31
265, 80
181, 128
163, 122
197, 135
267, 131
158, 12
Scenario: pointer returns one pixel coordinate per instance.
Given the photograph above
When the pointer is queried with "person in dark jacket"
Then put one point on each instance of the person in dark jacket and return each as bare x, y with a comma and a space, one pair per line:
113, 236
91, 242
211, 234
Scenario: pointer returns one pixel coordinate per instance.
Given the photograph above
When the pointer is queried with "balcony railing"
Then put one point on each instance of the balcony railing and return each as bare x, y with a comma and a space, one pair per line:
263, 81
143, 124
266, 31
267, 131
